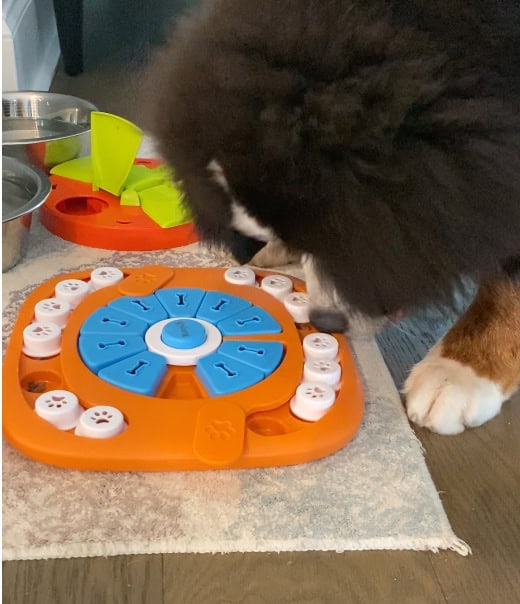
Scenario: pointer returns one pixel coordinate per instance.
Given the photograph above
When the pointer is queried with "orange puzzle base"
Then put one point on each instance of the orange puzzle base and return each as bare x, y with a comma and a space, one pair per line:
181, 427
97, 219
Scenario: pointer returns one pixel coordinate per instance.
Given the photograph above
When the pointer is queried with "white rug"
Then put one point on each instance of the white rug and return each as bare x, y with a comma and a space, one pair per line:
375, 494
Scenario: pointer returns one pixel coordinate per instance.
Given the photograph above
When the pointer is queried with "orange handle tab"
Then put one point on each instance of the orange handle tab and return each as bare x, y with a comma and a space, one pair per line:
219, 433
145, 281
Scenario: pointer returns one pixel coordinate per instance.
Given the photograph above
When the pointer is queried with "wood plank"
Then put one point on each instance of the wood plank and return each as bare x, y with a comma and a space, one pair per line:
115, 580
479, 476
310, 577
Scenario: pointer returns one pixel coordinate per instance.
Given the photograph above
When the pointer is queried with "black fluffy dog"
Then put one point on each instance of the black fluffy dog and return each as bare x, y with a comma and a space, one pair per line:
381, 139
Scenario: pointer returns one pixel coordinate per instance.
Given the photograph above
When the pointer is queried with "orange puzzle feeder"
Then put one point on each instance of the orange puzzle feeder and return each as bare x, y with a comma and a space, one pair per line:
161, 368
112, 200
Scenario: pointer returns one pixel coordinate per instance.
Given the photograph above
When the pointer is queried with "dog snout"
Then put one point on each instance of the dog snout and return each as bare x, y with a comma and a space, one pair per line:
329, 320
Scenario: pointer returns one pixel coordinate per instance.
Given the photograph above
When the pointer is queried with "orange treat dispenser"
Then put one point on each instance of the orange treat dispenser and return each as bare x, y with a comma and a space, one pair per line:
161, 368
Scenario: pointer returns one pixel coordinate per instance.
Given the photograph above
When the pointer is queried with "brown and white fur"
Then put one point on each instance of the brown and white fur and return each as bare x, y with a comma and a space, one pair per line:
379, 140
466, 377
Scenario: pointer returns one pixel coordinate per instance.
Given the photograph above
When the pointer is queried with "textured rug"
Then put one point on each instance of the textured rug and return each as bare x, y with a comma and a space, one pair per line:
374, 494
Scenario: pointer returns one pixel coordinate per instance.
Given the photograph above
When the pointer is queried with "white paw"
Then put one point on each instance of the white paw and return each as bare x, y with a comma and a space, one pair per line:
446, 396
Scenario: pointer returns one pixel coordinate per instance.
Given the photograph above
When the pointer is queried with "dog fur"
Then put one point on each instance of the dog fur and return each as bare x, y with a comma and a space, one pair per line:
379, 139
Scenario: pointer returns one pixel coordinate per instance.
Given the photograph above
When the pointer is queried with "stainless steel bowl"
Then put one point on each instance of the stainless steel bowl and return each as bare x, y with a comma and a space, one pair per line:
24, 189
45, 129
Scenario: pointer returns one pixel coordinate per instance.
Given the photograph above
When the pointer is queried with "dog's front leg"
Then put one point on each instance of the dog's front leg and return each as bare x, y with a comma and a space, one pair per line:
466, 377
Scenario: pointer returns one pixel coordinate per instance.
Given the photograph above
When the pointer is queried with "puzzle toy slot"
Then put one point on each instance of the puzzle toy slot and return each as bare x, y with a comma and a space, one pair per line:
158, 368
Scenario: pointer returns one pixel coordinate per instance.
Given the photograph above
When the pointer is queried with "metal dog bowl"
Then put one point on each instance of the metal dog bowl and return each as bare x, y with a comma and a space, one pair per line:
24, 189
45, 129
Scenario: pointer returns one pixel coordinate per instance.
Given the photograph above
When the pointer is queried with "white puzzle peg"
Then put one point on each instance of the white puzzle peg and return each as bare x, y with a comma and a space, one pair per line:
320, 346
41, 340
102, 421
72, 291
298, 306
277, 285
104, 276
240, 275
312, 400
324, 371
60, 408
52, 310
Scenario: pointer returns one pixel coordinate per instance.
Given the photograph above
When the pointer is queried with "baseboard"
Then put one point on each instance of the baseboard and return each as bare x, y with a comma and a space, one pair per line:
35, 41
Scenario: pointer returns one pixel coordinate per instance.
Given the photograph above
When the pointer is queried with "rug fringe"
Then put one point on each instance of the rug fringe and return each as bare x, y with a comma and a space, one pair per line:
461, 547
434, 545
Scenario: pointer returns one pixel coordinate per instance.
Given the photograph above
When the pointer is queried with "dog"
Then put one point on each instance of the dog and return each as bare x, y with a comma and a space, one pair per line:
380, 142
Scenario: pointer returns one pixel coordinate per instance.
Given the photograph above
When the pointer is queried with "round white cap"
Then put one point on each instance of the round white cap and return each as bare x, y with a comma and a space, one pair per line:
102, 421
298, 306
240, 275
41, 340
324, 371
312, 400
72, 291
60, 408
182, 357
320, 346
105, 276
52, 310
277, 285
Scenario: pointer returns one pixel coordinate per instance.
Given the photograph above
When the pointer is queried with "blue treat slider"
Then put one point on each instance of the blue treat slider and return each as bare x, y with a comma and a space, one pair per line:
141, 373
221, 375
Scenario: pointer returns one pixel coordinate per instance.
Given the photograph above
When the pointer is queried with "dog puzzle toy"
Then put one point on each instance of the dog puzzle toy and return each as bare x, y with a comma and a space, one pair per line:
114, 201
160, 368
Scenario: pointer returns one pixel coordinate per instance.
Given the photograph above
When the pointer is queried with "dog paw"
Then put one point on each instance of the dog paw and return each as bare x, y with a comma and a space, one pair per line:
446, 396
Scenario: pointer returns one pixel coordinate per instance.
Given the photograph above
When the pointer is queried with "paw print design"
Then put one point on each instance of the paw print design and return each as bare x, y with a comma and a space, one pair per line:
314, 392
52, 310
240, 276
102, 421
298, 306
320, 346
319, 342
50, 306
277, 285
42, 339
312, 401
276, 281
145, 278
59, 407
72, 291
70, 286
57, 401
100, 417
42, 331
323, 371
220, 429
105, 276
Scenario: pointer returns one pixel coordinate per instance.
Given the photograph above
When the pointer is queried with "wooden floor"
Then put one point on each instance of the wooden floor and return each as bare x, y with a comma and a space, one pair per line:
477, 474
